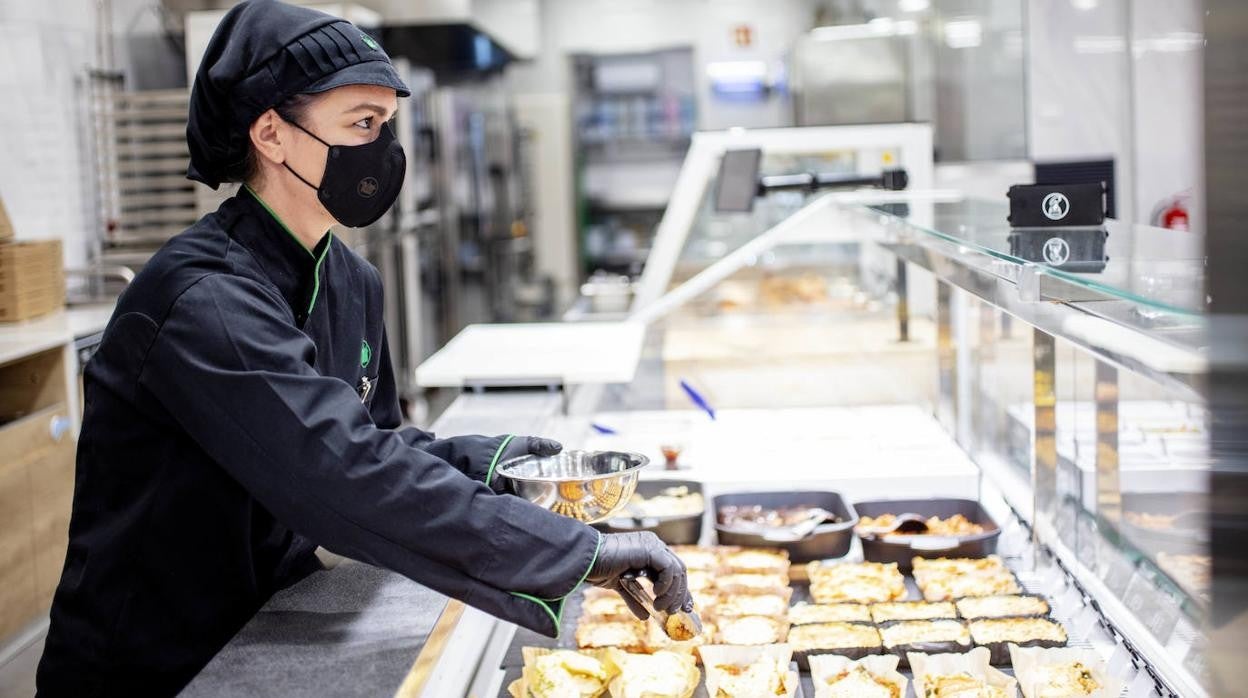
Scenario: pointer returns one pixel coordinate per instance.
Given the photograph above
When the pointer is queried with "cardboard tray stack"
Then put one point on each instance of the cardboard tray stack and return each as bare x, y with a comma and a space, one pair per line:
32, 275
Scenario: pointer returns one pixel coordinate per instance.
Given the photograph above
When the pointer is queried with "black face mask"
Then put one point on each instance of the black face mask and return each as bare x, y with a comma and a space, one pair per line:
360, 182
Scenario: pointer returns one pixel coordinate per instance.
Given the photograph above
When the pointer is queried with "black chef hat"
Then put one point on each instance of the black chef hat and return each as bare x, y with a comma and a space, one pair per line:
262, 53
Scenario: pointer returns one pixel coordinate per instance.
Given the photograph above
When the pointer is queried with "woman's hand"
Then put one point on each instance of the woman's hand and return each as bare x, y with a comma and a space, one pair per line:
642, 552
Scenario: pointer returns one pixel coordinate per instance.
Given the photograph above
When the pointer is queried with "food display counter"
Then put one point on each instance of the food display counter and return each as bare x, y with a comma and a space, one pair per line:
1060, 402
894, 349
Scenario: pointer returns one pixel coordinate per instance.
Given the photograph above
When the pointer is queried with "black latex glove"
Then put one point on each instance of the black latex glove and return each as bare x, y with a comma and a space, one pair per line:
643, 554
522, 446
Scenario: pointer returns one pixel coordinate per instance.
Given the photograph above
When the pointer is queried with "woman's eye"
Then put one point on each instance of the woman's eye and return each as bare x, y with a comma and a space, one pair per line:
366, 123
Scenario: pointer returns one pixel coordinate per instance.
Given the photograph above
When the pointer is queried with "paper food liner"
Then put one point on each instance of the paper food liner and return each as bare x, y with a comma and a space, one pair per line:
720, 655
519, 687
1028, 660
630, 666
881, 666
975, 662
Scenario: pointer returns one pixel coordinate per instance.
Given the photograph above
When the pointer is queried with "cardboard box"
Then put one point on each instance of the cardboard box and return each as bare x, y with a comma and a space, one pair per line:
32, 279
6, 226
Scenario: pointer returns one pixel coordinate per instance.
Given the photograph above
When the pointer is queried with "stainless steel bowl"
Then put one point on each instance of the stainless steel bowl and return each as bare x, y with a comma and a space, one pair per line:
587, 486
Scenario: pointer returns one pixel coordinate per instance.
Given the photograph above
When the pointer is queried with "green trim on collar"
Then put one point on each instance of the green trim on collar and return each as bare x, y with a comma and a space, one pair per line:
489, 474
324, 245
316, 272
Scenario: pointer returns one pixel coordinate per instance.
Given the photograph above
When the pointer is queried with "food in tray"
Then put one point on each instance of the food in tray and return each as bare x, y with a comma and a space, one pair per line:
757, 560
871, 677
657, 639
1192, 572
956, 525
749, 672
698, 558
855, 582
752, 517
850, 639
628, 635
673, 501
806, 613
1002, 606
944, 579
963, 675
961, 685
751, 583
605, 607
751, 630
1017, 630
563, 674
996, 634
737, 605
941, 635
658, 675
700, 580
912, 610
959, 565
1062, 672
1153, 522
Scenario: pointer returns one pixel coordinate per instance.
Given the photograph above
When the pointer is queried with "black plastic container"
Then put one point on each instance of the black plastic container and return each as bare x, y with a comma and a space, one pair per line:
903, 550
673, 530
826, 542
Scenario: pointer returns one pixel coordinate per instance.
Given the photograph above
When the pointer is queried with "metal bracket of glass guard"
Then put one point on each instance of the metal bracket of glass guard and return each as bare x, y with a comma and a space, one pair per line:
479, 386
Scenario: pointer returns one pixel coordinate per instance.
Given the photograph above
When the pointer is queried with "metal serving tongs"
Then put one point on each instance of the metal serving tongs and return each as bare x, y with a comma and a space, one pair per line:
904, 524
679, 626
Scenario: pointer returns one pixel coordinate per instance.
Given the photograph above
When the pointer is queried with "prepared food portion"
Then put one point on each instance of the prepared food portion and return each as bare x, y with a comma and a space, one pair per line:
912, 610
806, 613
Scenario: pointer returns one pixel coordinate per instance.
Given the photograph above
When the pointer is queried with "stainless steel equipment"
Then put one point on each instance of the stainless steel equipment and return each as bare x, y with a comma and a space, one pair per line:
585, 485
851, 79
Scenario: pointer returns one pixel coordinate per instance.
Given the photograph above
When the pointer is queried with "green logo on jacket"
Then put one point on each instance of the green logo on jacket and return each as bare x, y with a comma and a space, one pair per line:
366, 354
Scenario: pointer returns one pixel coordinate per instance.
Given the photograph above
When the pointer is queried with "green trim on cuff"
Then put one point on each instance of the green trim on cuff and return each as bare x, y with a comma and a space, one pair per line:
489, 474
556, 616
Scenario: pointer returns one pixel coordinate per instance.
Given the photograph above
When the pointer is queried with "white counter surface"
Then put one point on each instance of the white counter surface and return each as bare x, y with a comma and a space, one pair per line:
21, 339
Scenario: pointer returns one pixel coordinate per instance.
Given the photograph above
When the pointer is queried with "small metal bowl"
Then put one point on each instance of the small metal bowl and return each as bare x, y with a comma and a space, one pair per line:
587, 486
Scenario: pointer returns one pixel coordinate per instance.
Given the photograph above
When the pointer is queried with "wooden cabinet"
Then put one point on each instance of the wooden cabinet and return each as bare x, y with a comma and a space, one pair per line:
36, 485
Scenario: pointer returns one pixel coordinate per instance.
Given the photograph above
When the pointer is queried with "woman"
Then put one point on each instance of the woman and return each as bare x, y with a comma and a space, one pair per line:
241, 409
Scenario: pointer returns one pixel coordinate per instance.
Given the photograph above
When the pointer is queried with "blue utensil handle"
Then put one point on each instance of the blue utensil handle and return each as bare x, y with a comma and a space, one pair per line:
697, 398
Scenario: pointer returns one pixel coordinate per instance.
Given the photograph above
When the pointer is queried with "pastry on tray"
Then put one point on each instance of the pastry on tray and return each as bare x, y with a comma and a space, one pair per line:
737, 605
965, 675
853, 640
751, 630
927, 636
806, 613
945, 579
1014, 605
551, 673
700, 580
869, 677
912, 610
757, 560
628, 635
860, 582
658, 675
749, 672
698, 557
954, 526
750, 583
605, 607
997, 634
1062, 672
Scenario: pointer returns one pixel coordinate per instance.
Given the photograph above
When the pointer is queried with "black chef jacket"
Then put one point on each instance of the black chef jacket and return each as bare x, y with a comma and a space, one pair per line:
240, 411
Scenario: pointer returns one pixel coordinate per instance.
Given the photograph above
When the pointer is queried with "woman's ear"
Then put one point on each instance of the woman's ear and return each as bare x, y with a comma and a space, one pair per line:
266, 137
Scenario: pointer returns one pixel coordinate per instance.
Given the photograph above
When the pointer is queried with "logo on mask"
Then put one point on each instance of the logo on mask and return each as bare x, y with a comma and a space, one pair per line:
367, 187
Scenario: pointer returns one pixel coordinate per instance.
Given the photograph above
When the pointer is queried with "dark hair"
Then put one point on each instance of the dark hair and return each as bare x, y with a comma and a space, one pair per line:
292, 109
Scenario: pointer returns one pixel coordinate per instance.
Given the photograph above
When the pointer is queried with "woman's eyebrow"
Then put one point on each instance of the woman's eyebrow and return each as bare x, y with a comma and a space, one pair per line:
368, 106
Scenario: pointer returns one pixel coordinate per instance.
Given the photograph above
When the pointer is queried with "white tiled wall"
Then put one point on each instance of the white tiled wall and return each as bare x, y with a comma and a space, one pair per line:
44, 49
